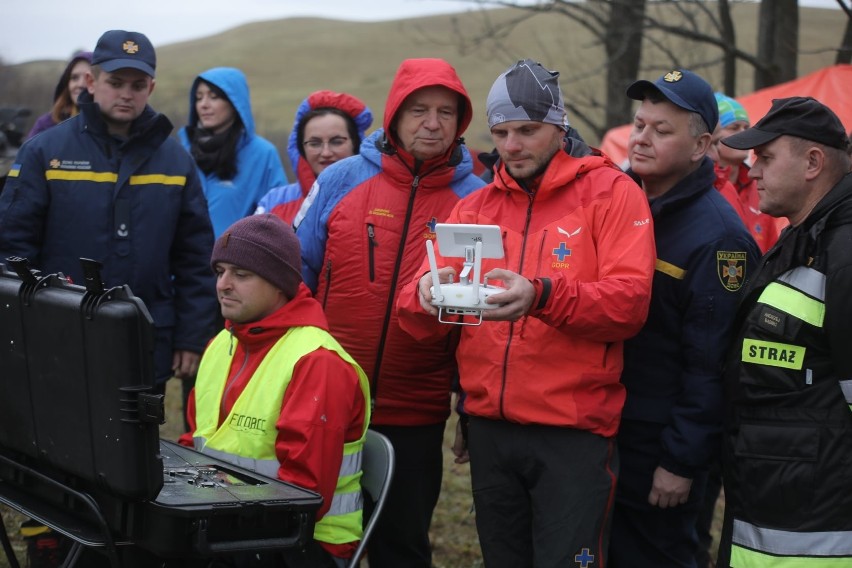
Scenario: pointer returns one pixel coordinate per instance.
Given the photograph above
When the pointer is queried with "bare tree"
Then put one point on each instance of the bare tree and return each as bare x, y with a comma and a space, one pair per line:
844, 53
623, 44
727, 34
624, 29
711, 33
777, 42
639, 37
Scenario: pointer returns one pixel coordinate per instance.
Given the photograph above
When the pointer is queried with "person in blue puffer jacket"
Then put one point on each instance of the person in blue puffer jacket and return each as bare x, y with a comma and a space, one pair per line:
237, 166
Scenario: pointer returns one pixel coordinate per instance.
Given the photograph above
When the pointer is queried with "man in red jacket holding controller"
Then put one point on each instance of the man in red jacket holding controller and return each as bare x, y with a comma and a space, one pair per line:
541, 375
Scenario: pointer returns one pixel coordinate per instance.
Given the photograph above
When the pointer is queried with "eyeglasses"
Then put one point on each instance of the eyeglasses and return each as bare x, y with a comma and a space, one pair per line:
336, 143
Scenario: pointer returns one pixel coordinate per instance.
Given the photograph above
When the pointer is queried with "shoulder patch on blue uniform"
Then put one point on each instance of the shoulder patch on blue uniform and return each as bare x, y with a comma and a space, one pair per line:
731, 269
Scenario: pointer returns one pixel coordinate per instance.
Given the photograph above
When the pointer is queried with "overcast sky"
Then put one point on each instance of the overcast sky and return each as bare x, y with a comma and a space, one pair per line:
54, 29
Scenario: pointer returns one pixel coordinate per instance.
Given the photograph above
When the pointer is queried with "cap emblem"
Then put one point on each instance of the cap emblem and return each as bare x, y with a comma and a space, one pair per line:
130, 47
673, 77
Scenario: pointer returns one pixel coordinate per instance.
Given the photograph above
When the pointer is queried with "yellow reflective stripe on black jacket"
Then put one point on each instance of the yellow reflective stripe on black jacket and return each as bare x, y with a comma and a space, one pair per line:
760, 547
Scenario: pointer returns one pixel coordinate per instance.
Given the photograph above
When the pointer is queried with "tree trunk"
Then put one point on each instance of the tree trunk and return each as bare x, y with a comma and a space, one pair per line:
844, 54
729, 38
624, 52
777, 42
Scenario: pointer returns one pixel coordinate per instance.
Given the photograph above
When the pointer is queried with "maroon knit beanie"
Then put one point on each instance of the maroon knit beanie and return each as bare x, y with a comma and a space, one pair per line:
267, 246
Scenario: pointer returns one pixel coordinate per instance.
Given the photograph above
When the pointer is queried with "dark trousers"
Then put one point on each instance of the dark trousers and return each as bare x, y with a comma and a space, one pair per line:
644, 535
543, 494
705, 515
401, 538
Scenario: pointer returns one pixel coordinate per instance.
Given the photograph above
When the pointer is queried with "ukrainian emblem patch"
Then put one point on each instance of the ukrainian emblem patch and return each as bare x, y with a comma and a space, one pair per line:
731, 269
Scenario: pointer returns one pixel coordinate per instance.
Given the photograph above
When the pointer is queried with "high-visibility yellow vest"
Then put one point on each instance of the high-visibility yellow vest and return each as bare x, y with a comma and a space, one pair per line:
247, 436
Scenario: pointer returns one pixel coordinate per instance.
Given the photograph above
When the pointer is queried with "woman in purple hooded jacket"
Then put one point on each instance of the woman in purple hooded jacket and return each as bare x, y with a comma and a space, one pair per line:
71, 83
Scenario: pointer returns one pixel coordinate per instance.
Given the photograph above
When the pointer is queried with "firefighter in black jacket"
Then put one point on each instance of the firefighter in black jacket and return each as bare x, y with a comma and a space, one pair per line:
788, 443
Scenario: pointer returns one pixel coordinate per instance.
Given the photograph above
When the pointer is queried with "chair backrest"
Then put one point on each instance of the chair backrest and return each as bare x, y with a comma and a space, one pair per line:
377, 465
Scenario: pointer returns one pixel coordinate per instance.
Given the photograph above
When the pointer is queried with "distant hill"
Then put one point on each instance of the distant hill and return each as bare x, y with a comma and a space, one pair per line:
289, 58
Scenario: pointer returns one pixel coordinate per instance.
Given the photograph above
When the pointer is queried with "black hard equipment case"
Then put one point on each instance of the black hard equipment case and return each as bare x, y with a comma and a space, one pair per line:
77, 371
79, 434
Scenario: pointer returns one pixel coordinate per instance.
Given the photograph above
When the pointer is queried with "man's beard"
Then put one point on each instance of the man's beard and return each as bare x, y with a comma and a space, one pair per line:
542, 167
537, 172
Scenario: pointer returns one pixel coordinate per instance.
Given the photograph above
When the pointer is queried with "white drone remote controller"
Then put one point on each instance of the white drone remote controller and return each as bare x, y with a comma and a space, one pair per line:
466, 297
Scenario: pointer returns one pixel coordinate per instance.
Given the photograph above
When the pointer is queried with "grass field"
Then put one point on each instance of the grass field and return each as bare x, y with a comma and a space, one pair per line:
453, 532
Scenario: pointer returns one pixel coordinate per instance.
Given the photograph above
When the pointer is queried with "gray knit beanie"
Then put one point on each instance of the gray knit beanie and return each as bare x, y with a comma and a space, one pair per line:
526, 91
267, 246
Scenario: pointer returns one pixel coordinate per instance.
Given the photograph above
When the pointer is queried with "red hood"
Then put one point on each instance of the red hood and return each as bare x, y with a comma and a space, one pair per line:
345, 102
302, 310
415, 74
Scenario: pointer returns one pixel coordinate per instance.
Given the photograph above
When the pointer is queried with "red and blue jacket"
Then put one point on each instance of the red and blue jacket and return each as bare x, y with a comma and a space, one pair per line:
363, 237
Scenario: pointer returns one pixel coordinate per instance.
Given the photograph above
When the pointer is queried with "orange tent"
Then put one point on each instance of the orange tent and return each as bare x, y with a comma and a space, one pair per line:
830, 85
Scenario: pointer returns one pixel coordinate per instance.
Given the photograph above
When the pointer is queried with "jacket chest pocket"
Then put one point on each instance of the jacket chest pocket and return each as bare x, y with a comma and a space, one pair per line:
776, 467
380, 242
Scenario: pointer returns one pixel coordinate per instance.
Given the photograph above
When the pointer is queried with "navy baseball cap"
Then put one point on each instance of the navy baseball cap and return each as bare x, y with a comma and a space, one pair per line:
802, 117
684, 89
119, 49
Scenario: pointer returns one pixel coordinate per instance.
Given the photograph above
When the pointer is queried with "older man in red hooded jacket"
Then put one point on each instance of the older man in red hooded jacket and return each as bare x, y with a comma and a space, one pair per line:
363, 234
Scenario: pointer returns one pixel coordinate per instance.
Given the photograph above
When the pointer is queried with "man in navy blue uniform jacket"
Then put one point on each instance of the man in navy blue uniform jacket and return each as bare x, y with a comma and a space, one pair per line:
110, 185
671, 422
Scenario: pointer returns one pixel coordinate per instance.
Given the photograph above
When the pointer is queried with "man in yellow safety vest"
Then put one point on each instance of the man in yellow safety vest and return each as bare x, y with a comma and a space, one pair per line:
276, 393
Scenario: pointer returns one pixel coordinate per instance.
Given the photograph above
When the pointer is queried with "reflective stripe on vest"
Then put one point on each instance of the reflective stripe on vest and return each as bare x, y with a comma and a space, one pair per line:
808, 280
247, 435
757, 547
846, 387
341, 503
803, 300
269, 468
800, 293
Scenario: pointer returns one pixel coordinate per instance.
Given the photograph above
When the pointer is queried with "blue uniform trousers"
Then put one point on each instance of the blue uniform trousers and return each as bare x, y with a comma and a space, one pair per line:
644, 535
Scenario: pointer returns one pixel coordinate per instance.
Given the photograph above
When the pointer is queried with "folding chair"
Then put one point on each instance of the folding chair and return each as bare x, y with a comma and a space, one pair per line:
377, 465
